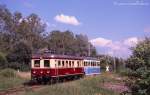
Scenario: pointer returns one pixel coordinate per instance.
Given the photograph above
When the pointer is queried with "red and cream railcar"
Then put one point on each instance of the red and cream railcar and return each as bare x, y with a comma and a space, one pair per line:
47, 67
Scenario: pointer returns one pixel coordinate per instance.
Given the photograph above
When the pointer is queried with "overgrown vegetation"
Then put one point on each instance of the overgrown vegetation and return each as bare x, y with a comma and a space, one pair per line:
9, 79
21, 36
86, 86
115, 64
139, 68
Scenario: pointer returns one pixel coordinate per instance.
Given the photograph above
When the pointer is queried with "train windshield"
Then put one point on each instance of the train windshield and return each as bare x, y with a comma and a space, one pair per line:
36, 63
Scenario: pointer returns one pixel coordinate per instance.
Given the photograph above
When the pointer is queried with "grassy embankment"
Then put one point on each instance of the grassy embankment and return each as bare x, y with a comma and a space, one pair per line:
10, 79
86, 86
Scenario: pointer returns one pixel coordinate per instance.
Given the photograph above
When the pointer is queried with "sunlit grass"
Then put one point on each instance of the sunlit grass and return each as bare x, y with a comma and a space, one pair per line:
86, 86
9, 79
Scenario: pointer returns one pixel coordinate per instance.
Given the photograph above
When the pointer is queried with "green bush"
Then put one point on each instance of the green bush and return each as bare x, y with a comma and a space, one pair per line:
3, 61
8, 73
19, 66
139, 65
9, 79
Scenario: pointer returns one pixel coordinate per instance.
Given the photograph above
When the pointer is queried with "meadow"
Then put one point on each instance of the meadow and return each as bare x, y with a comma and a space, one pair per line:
92, 85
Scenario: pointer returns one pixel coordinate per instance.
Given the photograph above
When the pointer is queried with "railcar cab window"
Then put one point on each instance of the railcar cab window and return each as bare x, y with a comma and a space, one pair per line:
36, 63
46, 63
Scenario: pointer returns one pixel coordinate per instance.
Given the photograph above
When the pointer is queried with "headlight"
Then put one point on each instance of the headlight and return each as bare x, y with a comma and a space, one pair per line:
48, 71
34, 72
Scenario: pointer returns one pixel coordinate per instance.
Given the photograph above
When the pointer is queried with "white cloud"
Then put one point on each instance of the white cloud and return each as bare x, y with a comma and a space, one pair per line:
115, 45
67, 19
131, 41
115, 48
102, 42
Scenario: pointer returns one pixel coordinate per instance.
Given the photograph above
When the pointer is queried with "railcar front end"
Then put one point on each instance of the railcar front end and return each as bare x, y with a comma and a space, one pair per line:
56, 67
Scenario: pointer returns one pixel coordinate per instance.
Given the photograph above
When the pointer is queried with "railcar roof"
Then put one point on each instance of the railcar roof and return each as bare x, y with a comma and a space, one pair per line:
54, 56
90, 58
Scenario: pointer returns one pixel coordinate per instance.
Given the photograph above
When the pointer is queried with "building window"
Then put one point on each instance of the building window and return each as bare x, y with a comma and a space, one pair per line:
36, 63
46, 63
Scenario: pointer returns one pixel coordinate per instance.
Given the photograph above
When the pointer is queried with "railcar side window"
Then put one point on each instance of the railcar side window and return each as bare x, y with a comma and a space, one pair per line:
89, 63
36, 63
66, 63
77, 63
84, 63
70, 63
63, 64
46, 63
73, 64
59, 63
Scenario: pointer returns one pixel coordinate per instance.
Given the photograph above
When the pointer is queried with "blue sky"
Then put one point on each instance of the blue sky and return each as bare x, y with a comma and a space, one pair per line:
111, 25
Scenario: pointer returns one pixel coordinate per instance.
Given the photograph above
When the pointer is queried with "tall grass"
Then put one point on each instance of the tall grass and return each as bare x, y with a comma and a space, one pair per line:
9, 79
86, 86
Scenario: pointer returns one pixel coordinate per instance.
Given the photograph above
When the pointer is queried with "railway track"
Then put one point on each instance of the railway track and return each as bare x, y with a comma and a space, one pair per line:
11, 91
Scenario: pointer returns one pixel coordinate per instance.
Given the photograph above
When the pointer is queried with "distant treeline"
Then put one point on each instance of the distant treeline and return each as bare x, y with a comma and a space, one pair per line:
21, 36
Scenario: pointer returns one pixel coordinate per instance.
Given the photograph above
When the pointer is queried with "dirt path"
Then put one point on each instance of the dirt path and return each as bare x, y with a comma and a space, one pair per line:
117, 87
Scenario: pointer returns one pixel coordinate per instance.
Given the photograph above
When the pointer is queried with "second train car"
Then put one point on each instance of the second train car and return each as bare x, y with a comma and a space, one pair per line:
91, 66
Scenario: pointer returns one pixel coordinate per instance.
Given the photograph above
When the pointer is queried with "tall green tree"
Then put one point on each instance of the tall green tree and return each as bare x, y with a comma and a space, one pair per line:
68, 43
18, 32
21, 36
139, 68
